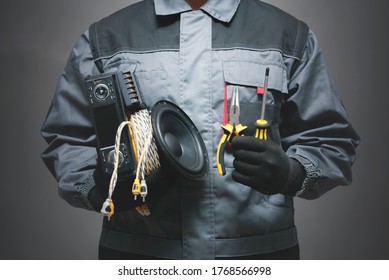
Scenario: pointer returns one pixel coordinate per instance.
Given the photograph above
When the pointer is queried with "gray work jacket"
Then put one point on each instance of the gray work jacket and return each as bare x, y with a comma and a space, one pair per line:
187, 57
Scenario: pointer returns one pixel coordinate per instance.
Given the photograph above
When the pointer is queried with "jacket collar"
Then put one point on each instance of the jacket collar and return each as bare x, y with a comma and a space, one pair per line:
222, 10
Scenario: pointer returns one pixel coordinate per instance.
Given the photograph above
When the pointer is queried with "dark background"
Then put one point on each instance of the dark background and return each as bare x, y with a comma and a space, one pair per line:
35, 40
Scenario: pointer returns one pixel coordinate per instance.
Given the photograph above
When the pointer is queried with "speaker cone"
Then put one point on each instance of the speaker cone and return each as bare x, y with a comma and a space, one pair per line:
179, 141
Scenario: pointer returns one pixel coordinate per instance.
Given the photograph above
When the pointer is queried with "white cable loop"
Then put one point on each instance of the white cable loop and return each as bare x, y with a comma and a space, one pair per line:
145, 146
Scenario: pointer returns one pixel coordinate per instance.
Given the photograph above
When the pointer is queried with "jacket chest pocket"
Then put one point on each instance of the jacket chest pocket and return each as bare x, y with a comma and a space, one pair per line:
152, 81
249, 77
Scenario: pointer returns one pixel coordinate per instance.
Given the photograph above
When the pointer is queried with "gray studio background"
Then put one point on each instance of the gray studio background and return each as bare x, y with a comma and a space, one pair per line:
35, 40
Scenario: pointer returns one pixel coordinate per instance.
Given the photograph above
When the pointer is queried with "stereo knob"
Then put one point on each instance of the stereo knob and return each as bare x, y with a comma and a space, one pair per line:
101, 92
111, 158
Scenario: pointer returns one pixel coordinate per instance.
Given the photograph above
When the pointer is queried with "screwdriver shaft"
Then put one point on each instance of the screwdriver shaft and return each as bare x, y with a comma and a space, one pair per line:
265, 94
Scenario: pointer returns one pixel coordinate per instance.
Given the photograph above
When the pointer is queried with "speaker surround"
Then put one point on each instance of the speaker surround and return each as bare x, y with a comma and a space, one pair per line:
178, 141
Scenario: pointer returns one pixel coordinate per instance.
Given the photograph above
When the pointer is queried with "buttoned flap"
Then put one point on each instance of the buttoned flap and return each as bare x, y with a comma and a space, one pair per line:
249, 77
252, 73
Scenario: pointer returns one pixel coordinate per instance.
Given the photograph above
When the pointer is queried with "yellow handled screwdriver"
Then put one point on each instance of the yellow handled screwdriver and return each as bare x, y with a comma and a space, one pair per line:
261, 124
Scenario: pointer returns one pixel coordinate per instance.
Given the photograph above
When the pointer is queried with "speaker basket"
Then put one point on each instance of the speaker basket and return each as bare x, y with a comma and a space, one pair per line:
178, 141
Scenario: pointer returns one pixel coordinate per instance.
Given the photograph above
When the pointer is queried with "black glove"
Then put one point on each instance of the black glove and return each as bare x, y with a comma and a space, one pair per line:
264, 166
99, 192
122, 197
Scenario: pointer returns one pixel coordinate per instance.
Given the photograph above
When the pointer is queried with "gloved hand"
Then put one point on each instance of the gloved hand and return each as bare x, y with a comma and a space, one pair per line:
122, 197
264, 166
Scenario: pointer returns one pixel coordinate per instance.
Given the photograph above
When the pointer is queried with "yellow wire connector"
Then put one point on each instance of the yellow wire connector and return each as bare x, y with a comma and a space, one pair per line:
108, 208
144, 210
136, 188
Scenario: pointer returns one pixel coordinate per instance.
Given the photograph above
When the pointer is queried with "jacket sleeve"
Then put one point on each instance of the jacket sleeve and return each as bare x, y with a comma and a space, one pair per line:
71, 154
315, 129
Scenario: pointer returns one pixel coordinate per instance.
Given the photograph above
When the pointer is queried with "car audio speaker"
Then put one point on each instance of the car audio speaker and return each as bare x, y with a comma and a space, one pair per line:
178, 141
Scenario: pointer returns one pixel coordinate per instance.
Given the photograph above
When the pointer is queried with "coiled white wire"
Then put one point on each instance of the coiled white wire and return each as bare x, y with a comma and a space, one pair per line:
142, 132
146, 152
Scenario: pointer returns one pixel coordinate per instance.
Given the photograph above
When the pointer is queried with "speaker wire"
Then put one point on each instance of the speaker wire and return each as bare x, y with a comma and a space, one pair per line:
146, 153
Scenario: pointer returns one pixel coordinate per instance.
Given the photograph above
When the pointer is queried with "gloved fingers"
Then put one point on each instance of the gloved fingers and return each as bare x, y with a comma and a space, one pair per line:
243, 179
256, 158
250, 143
253, 183
262, 165
95, 199
248, 156
245, 168
259, 172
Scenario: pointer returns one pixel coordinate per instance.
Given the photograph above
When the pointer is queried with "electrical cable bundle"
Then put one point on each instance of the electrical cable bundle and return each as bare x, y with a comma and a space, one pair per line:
166, 127
115, 99
146, 153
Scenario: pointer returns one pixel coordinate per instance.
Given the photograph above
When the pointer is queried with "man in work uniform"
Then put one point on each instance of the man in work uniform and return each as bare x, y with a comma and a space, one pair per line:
191, 53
